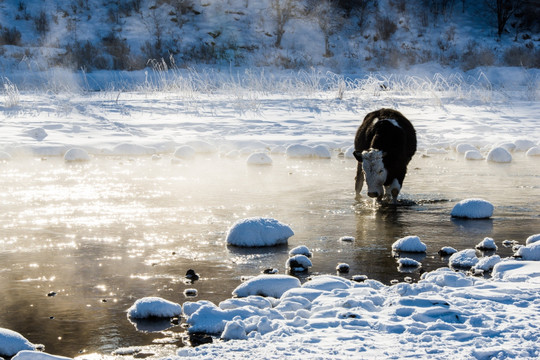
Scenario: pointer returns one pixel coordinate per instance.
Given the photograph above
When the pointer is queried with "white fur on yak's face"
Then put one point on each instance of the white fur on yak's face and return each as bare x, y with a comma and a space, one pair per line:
374, 172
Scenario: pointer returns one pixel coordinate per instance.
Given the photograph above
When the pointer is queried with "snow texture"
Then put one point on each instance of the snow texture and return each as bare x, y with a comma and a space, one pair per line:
529, 252
153, 307
12, 342
36, 355
267, 285
499, 155
487, 263
409, 244
487, 244
472, 209
258, 231
532, 239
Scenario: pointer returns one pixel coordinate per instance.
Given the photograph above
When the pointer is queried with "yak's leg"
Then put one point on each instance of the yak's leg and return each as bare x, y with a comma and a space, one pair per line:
359, 180
393, 190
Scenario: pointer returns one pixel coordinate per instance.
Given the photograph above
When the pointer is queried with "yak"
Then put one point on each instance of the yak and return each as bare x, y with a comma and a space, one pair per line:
384, 145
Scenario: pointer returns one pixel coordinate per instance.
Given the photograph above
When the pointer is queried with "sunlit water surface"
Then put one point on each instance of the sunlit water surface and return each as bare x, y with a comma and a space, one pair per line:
100, 235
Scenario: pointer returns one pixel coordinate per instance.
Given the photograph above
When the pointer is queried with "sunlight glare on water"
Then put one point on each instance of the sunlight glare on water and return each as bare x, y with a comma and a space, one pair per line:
80, 243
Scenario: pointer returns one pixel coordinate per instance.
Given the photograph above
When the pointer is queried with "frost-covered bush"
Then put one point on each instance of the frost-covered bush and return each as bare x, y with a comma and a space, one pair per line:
385, 27
10, 36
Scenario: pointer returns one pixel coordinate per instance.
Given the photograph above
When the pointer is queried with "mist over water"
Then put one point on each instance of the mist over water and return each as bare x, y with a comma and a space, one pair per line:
80, 243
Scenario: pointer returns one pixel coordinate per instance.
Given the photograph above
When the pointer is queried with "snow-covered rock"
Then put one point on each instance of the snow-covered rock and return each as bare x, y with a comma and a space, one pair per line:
408, 262
258, 231
300, 250
259, 158
473, 155
4, 156
464, 147
347, 238
305, 151
409, 244
472, 209
343, 268
499, 155
532, 239
133, 149
267, 285
447, 250
523, 144
463, 259
153, 307
529, 252
202, 147
534, 151
327, 283
349, 153
486, 263
11, 342
76, 154
36, 133
234, 330
487, 244
298, 263
185, 152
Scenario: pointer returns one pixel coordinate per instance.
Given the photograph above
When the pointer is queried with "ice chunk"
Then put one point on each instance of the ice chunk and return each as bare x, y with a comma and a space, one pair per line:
473, 209
463, 259
487, 244
259, 158
258, 231
409, 244
499, 155
76, 154
153, 307
267, 285
185, 152
11, 342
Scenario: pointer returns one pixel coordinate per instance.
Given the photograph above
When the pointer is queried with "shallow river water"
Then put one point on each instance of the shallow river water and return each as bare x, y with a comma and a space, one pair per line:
80, 243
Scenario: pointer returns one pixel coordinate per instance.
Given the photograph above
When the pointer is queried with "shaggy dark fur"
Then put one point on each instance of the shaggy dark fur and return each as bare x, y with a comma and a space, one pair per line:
397, 143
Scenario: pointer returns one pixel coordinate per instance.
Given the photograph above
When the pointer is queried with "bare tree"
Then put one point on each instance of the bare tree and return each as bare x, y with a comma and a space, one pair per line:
330, 20
281, 12
504, 9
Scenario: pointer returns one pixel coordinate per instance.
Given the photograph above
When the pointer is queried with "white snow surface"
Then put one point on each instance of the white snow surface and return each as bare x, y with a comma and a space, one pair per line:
532, 239
267, 285
11, 342
153, 306
409, 244
463, 259
529, 252
473, 209
258, 231
36, 355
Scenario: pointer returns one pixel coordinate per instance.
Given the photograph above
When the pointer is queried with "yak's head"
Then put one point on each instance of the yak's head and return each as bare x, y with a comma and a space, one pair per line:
374, 172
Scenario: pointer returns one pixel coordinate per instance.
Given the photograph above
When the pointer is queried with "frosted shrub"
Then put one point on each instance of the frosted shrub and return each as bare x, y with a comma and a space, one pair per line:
11, 94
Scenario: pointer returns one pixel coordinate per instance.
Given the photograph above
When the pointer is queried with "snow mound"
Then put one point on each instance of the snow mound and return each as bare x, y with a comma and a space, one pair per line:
11, 342
487, 263
473, 155
259, 159
529, 252
472, 209
304, 151
534, 151
435, 151
408, 262
463, 259
37, 355
327, 283
258, 231
463, 148
447, 250
524, 145
4, 156
267, 285
532, 239
348, 153
76, 154
487, 244
234, 330
409, 244
516, 270
185, 152
133, 149
499, 155
298, 263
300, 250
153, 307
36, 133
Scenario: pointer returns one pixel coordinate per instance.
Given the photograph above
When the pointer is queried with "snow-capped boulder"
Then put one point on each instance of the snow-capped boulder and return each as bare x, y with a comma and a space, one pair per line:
185, 152
473, 155
234, 330
267, 285
486, 263
463, 259
488, 244
37, 355
532, 239
132, 149
409, 244
4, 156
153, 307
300, 250
524, 145
76, 155
36, 133
11, 342
408, 262
298, 263
463, 148
258, 231
499, 155
472, 209
305, 151
447, 251
534, 151
259, 158
529, 252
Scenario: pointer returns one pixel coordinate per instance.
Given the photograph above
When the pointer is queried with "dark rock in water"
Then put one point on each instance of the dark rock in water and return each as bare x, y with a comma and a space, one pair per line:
270, 271
342, 268
199, 339
192, 275
51, 294
175, 321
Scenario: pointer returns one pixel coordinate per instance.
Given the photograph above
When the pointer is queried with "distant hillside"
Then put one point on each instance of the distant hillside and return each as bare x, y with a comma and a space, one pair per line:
339, 34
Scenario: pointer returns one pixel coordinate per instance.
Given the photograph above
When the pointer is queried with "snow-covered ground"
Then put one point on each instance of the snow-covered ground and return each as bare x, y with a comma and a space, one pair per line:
446, 314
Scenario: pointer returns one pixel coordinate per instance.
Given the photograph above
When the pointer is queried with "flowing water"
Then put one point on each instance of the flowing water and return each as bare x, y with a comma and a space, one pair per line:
80, 243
